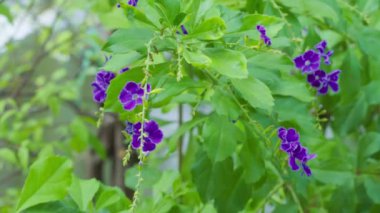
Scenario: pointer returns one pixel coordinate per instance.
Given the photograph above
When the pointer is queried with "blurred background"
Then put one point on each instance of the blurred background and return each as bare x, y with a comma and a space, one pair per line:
51, 50
49, 54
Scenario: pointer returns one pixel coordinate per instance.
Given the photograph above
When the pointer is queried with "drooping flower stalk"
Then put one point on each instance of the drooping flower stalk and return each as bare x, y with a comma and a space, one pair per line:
102, 81
290, 143
263, 35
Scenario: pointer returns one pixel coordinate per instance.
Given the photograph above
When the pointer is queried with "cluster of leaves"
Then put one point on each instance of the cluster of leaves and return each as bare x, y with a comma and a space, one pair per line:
239, 91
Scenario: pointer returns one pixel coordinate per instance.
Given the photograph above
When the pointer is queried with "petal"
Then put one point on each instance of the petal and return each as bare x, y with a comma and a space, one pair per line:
316, 84
314, 66
148, 146
334, 86
156, 136
323, 90
292, 135
311, 78
139, 101
320, 73
311, 156
285, 147
99, 96
140, 91
137, 128
334, 75
315, 57
299, 62
125, 96
306, 169
281, 132
129, 105
148, 88
136, 142
308, 55
292, 163
131, 86
150, 126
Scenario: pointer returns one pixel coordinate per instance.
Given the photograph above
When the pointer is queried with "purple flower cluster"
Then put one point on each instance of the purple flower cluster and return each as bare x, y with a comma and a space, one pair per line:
309, 62
263, 35
291, 145
130, 2
151, 136
133, 2
132, 95
100, 85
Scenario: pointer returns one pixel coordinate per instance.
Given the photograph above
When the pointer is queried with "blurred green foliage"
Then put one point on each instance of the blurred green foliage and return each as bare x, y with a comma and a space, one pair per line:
231, 161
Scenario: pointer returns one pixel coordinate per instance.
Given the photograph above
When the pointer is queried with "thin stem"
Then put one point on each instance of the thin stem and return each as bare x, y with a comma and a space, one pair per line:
180, 144
144, 98
295, 198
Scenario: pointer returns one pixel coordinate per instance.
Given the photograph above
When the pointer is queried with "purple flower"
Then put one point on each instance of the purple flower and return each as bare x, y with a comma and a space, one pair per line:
125, 69
118, 5
291, 145
322, 81
183, 29
100, 85
131, 95
307, 62
152, 135
133, 2
321, 47
129, 127
263, 35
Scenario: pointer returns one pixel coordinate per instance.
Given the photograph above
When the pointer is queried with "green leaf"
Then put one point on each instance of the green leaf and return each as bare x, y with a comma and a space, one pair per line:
309, 8
251, 155
372, 93
169, 9
220, 182
372, 186
8, 155
80, 135
56, 207
334, 177
119, 61
183, 129
220, 136
292, 88
47, 181
210, 29
255, 92
111, 198
349, 117
135, 13
125, 40
5, 11
224, 104
82, 191
227, 62
23, 155
369, 145
197, 59
368, 40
